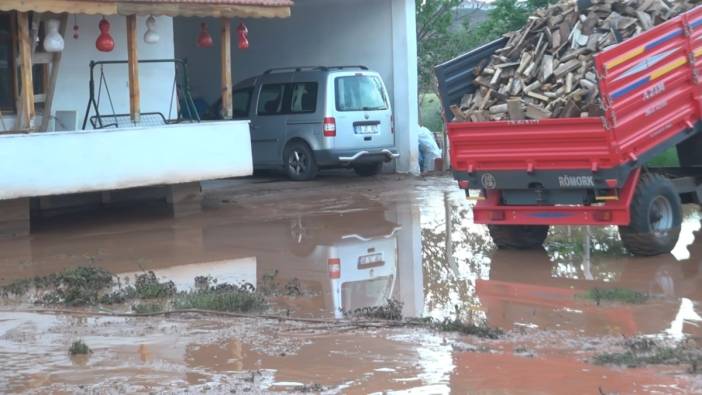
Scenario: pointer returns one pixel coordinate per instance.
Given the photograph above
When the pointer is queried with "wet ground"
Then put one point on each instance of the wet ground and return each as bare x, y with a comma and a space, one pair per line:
344, 244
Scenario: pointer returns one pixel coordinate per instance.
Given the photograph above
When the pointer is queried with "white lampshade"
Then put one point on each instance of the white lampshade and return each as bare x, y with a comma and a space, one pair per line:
151, 36
53, 42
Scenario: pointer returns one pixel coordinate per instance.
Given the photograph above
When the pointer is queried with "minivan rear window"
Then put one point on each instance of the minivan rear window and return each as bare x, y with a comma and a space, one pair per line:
270, 100
291, 98
360, 93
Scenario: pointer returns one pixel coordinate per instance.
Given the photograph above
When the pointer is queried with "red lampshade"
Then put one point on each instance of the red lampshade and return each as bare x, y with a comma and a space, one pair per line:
204, 39
104, 42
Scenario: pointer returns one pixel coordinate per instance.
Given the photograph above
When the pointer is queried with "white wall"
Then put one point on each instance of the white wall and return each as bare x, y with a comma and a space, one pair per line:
377, 33
156, 81
40, 164
328, 32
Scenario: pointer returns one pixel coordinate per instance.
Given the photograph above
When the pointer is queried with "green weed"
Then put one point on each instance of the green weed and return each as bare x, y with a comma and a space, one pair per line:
77, 286
623, 295
79, 348
223, 297
148, 287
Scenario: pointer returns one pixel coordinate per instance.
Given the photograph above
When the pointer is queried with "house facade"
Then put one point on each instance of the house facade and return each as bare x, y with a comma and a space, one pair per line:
121, 123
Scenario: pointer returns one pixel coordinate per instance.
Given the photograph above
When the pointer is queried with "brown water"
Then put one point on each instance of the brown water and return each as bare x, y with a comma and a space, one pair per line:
409, 240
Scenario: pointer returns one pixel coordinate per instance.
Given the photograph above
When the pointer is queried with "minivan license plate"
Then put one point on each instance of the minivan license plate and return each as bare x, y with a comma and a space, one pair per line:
366, 129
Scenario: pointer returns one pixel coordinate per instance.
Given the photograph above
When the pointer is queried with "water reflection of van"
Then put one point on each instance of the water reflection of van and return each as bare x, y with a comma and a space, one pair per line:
363, 271
344, 261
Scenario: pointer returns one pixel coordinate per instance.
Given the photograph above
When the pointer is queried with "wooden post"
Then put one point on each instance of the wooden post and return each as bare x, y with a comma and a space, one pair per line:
133, 66
26, 105
226, 48
51, 85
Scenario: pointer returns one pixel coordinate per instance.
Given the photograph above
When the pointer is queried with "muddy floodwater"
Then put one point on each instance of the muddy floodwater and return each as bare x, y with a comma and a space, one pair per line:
342, 245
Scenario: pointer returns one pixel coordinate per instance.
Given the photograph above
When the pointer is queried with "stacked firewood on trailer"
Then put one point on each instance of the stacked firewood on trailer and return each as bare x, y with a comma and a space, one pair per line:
546, 69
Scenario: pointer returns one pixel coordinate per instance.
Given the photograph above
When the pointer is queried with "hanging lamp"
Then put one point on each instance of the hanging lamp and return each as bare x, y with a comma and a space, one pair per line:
104, 42
53, 42
204, 39
151, 36
76, 29
243, 32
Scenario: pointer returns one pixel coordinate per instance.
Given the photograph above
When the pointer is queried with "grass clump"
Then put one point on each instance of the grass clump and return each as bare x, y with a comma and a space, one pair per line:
19, 287
222, 297
120, 296
147, 308
642, 351
391, 311
147, 286
77, 286
79, 348
623, 295
456, 325
270, 286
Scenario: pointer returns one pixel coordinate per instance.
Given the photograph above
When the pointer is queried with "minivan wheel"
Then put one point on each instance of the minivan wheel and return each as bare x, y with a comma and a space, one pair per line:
368, 169
299, 162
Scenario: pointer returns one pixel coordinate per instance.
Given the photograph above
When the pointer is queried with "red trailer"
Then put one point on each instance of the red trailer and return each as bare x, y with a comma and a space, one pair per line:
591, 171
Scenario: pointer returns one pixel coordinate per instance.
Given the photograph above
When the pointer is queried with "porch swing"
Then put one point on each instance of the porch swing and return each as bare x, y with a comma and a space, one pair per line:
185, 111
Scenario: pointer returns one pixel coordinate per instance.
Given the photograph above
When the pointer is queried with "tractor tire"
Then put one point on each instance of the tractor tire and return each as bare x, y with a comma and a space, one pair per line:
518, 237
656, 216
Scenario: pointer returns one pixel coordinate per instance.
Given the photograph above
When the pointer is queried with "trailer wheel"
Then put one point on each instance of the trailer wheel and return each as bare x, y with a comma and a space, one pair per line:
520, 237
656, 215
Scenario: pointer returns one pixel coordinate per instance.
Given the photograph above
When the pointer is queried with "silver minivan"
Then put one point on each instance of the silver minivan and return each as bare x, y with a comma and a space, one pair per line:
308, 118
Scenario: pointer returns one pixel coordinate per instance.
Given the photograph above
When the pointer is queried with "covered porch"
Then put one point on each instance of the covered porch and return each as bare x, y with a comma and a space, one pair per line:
63, 133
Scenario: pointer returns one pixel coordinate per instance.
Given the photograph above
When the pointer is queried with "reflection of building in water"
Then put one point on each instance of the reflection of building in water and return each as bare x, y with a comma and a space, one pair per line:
343, 260
455, 253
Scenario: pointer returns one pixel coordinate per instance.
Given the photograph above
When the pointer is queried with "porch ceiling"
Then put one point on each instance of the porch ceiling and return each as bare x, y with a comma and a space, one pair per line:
199, 8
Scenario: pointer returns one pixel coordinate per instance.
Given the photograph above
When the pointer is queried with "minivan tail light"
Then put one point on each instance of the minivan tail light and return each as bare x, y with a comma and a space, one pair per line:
334, 268
329, 127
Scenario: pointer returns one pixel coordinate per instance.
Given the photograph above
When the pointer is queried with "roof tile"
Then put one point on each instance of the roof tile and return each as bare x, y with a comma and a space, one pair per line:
270, 3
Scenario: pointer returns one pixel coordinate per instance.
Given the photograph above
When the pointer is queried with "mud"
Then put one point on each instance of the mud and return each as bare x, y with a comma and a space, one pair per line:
343, 245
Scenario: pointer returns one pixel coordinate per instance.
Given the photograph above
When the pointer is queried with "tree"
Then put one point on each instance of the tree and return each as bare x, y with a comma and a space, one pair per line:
443, 35
435, 41
507, 16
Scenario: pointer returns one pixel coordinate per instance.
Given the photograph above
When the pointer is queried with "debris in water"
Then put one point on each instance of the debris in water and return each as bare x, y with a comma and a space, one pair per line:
645, 351
456, 325
391, 311
616, 295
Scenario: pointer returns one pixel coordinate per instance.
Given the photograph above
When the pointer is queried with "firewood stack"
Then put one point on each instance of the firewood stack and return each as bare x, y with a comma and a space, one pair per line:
546, 69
